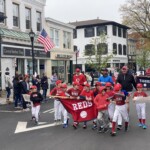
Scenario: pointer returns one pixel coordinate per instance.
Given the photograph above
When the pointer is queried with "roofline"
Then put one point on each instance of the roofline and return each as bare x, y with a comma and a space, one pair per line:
60, 23
104, 23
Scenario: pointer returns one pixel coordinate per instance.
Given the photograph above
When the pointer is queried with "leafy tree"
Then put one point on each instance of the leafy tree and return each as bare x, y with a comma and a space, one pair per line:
97, 52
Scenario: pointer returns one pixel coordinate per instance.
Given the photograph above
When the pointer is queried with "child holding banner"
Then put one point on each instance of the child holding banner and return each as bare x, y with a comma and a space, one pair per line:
140, 106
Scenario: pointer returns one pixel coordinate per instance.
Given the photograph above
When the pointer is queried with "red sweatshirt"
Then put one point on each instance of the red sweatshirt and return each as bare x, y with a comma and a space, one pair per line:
89, 96
56, 91
74, 92
101, 102
79, 78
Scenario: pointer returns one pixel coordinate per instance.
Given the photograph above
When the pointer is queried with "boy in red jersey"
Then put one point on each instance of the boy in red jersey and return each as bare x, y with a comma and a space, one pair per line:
87, 95
74, 92
80, 78
120, 108
57, 91
36, 99
141, 107
101, 102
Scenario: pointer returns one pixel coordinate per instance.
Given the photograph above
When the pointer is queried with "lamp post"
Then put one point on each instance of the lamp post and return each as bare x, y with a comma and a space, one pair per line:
32, 35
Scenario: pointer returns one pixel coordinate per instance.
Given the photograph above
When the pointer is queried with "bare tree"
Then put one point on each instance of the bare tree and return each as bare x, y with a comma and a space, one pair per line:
136, 14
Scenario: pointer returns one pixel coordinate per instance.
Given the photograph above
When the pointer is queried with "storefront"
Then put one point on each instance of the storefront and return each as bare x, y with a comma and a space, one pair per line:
20, 59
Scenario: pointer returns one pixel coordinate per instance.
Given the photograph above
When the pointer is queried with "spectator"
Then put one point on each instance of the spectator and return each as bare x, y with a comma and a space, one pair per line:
38, 83
53, 80
92, 76
44, 85
8, 87
105, 77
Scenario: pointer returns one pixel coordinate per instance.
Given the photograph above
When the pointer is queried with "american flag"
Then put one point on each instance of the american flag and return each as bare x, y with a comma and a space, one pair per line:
46, 41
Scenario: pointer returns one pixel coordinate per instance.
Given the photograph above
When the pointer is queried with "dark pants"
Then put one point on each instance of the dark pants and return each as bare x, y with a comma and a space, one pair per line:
44, 93
17, 99
92, 82
8, 92
24, 103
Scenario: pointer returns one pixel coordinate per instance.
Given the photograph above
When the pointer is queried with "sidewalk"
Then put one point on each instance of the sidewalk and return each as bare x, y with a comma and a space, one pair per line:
3, 100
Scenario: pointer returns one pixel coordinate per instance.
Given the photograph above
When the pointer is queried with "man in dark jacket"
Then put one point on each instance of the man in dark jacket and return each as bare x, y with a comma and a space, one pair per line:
44, 85
126, 80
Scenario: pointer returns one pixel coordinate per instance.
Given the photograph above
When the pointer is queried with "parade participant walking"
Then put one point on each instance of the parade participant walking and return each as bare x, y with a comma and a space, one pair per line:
8, 86
101, 102
36, 98
87, 95
120, 108
57, 91
141, 107
105, 77
44, 85
80, 78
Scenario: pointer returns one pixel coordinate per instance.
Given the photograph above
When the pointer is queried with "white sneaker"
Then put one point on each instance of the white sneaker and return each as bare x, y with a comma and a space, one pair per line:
110, 125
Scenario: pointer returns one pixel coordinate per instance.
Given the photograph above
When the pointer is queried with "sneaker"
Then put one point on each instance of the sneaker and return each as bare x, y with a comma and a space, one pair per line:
113, 133
140, 124
110, 125
33, 118
55, 122
65, 125
119, 127
144, 126
100, 130
75, 125
36, 123
84, 126
94, 127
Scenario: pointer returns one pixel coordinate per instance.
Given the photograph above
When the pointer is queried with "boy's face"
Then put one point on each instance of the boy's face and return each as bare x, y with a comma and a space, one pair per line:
87, 88
107, 88
34, 90
59, 85
97, 87
139, 89
103, 92
76, 87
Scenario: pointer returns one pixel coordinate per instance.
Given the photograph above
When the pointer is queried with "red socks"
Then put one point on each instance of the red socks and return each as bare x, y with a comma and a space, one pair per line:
144, 121
140, 120
113, 126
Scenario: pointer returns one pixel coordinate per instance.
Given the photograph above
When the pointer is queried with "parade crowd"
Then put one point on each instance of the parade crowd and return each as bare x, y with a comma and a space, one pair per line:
111, 98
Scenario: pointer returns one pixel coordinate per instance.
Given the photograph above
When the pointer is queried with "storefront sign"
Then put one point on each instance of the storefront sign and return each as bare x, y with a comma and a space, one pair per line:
144, 80
13, 51
37, 53
63, 56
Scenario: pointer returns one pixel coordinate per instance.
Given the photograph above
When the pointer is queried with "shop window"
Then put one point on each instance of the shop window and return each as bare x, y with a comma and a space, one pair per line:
102, 49
101, 30
89, 50
89, 32
114, 30
120, 49
15, 15
114, 48
28, 18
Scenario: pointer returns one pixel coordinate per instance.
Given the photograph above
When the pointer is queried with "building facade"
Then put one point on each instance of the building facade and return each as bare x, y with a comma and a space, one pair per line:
62, 36
22, 16
116, 40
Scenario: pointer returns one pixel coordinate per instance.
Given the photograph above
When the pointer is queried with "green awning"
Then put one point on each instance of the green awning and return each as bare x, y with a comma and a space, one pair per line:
16, 34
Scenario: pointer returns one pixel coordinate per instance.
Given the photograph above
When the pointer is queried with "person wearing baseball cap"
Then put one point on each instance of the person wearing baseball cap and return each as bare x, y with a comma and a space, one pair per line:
79, 77
105, 77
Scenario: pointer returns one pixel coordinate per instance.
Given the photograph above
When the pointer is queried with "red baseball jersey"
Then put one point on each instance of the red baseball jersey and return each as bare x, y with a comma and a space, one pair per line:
136, 94
79, 78
88, 95
56, 91
119, 99
74, 92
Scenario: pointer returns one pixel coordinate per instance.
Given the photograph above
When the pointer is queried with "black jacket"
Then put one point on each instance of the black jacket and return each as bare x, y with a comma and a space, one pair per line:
36, 98
127, 81
23, 87
44, 83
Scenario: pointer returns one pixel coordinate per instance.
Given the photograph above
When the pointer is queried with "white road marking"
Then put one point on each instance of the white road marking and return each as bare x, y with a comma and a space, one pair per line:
22, 127
51, 112
6, 111
47, 111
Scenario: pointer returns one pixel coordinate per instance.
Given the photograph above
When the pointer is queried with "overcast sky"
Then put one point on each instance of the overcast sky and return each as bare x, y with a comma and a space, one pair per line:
77, 10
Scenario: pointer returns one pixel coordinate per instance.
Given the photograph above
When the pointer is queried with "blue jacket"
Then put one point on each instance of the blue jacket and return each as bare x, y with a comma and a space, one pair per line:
105, 79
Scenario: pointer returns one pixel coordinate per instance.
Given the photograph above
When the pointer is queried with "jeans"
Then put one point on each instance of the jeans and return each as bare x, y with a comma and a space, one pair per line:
17, 99
44, 93
8, 92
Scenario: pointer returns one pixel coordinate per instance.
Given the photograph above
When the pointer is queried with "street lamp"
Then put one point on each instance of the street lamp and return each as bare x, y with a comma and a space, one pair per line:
32, 35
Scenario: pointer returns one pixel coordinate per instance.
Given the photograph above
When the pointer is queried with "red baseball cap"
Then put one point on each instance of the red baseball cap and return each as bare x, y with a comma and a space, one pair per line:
98, 84
117, 87
139, 85
33, 87
58, 81
108, 84
77, 70
87, 85
64, 85
124, 68
102, 89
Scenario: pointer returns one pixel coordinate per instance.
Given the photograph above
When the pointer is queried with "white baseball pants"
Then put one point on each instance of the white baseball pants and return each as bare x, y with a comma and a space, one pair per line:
121, 110
35, 112
64, 113
57, 110
141, 110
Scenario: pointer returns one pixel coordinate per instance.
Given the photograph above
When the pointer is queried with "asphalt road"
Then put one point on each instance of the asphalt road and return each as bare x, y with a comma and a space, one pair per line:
57, 138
